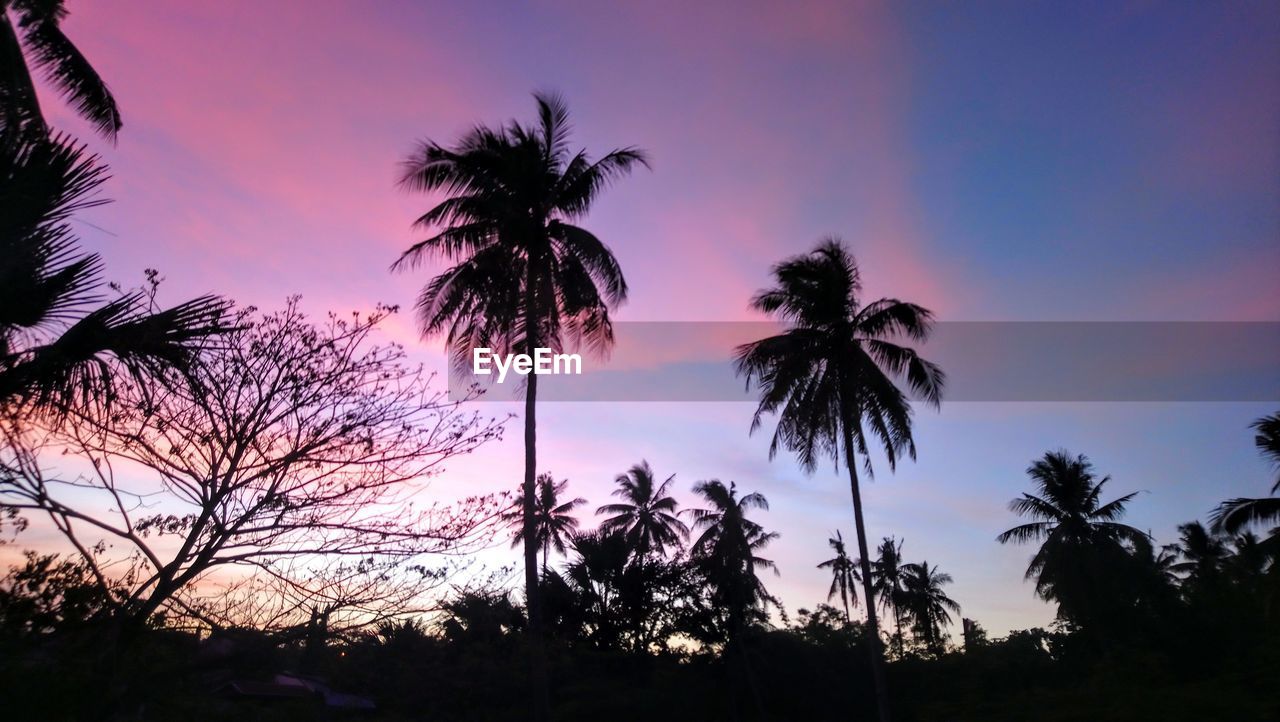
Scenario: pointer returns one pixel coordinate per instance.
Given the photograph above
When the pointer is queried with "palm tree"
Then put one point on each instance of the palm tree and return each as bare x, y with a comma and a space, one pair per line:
727, 550
1158, 566
832, 379
843, 574
728, 546
1081, 537
598, 576
1203, 553
1234, 515
58, 337
31, 36
887, 582
554, 523
525, 275
647, 514
926, 605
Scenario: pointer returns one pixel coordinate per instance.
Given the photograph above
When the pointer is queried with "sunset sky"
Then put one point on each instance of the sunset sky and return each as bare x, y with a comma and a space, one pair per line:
992, 161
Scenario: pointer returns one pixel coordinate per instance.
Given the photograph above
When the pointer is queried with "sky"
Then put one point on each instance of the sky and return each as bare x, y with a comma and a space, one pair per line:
1112, 161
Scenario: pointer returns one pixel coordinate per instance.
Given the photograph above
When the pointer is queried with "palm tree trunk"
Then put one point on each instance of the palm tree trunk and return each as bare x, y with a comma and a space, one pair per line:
873, 629
537, 653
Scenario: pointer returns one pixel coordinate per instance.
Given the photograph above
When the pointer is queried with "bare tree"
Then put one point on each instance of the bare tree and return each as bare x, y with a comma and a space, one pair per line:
292, 453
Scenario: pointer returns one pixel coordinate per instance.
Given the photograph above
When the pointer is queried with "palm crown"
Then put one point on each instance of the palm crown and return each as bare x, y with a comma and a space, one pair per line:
928, 607
553, 519
647, 514
887, 572
843, 574
833, 369
1077, 530
525, 274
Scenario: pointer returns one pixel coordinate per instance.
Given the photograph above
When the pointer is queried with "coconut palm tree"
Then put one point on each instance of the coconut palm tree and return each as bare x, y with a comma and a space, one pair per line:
1234, 515
728, 546
525, 275
647, 514
31, 36
843, 575
61, 343
554, 523
1156, 565
834, 377
1081, 537
727, 551
887, 583
925, 605
1202, 552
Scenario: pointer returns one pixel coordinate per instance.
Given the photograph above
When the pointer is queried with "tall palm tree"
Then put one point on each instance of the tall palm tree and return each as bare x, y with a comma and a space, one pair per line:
729, 543
1234, 515
647, 514
525, 275
554, 522
832, 378
31, 36
1081, 537
927, 607
887, 582
58, 336
843, 575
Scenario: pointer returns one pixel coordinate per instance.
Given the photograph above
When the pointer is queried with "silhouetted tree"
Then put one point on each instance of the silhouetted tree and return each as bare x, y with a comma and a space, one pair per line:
52, 593
31, 36
1081, 539
887, 583
843, 575
526, 276
1202, 552
830, 378
554, 522
727, 547
60, 343
975, 637
926, 605
599, 575
647, 514
293, 454
480, 617
1153, 581
1234, 515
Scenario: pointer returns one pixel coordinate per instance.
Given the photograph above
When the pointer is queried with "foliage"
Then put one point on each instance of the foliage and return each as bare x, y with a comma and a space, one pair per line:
646, 514
61, 345
31, 36
553, 520
1080, 536
293, 456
